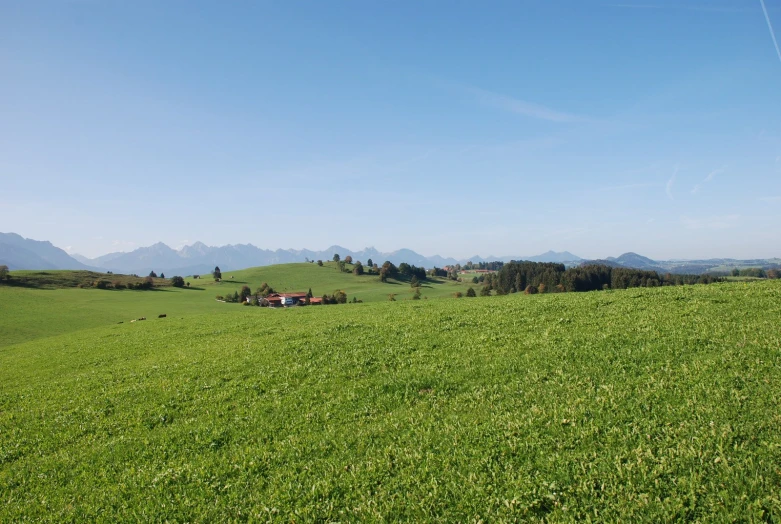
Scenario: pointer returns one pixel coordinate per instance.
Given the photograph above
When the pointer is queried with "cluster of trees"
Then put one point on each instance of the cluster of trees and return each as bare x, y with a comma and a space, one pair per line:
408, 271
388, 269
534, 277
437, 272
154, 275
146, 283
490, 266
338, 297
757, 272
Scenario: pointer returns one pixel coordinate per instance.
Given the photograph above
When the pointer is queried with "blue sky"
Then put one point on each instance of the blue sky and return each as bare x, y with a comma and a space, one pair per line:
452, 128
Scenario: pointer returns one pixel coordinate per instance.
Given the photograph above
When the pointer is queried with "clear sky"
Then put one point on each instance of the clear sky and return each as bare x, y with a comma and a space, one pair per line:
447, 127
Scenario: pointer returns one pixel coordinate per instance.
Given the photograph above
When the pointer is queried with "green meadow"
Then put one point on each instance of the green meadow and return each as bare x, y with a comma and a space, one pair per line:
50, 303
656, 404
327, 279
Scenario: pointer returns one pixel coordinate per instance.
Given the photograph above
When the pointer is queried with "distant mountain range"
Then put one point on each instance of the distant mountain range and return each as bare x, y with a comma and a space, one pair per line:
692, 267
17, 252
20, 253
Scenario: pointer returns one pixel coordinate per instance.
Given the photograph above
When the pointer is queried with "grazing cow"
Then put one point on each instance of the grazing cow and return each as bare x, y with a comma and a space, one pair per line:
161, 316
142, 318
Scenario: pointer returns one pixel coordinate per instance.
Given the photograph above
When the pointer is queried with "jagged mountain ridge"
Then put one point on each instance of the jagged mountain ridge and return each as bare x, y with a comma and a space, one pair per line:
18, 252
200, 258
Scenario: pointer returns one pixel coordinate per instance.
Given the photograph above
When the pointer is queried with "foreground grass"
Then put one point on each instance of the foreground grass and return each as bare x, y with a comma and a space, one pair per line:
646, 404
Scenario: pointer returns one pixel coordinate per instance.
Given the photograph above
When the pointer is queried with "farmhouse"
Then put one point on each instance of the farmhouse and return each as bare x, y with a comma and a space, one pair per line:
290, 299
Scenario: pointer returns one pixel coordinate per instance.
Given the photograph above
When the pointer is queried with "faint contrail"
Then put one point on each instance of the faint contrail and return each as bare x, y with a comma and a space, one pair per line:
770, 26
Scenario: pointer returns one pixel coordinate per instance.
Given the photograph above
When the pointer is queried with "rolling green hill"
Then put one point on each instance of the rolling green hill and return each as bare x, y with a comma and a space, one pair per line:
649, 405
48, 303
327, 279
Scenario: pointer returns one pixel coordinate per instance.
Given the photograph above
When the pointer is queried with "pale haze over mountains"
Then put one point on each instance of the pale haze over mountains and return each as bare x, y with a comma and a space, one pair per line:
20, 253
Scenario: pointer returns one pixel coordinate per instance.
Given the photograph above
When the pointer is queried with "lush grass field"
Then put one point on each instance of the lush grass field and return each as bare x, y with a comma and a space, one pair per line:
50, 304
640, 405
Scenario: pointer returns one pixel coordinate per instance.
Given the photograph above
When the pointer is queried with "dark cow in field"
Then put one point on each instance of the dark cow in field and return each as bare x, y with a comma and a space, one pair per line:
161, 316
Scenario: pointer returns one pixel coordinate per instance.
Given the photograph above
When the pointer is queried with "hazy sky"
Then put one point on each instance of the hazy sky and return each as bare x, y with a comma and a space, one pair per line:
452, 128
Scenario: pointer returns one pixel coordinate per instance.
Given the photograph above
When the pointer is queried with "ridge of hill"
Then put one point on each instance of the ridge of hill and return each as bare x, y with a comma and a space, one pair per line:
18, 252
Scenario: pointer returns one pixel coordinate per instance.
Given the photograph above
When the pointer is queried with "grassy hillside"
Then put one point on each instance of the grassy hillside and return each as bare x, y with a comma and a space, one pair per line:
30, 314
63, 278
327, 279
50, 304
639, 405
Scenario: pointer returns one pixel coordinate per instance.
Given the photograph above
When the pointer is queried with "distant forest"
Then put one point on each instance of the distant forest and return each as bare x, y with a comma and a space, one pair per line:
542, 277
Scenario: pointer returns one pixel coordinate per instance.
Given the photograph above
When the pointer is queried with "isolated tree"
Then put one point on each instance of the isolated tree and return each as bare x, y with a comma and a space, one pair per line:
162, 275
217, 274
177, 281
336, 257
348, 259
340, 296
309, 293
358, 269
370, 263
153, 274
471, 292
4, 273
148, 283
414, 282
416, 296
390, 270
319, 262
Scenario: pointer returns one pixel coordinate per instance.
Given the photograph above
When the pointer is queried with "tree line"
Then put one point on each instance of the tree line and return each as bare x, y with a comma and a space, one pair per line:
541, 277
